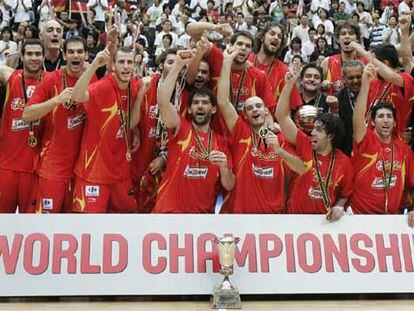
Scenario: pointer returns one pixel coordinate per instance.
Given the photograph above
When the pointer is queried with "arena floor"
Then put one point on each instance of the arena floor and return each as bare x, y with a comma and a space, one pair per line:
141, 305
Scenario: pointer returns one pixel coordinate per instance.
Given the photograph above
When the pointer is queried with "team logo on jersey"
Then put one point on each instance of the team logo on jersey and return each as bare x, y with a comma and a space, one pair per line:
75, 121
153, 112
92, 191
263, 172
195, 172
315, 193
17, 104
47, 204
20, 124
379, 182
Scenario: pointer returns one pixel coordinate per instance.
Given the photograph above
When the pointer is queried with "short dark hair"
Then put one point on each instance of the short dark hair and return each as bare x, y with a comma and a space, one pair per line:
242, 33
295, 40
167, 35
124, 49
163, 56
203, 91
332, 125
311, 65
382, 105
6, 29
351, 26
74, 39
33, 42
388, 53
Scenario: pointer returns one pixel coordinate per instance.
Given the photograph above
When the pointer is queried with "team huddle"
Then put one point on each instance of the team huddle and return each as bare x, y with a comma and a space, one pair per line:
207, 123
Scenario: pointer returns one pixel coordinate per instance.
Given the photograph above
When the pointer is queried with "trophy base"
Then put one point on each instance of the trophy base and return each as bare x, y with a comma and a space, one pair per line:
226, 297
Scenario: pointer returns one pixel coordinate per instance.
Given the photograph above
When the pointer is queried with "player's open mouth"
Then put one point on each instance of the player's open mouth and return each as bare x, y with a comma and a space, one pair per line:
56, 41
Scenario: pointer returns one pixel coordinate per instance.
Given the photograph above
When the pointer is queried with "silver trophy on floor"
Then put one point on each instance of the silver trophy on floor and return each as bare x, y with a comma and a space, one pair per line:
226, 296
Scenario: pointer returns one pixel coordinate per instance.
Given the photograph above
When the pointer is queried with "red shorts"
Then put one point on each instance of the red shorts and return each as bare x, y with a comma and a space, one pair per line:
102, 198
17, 189
54, 196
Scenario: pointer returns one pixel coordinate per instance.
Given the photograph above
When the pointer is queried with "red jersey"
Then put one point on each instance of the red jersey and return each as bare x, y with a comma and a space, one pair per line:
246, 83
190, 183
334, 73
276, 72
102, 158
369, 157
260, 175
401, 98
306, 196
15, 152
63, 128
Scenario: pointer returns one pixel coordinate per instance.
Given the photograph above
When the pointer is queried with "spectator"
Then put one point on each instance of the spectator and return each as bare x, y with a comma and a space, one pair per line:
7, 47
99, 6
376, 33
22, 12
295, 48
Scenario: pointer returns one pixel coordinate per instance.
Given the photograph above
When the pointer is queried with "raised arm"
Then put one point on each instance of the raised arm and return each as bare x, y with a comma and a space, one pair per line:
282, 110
223, 91
136, 111
383, 70
405, 47
80, 91
358, 119
197, 29
5, 73
168, 113
203, 47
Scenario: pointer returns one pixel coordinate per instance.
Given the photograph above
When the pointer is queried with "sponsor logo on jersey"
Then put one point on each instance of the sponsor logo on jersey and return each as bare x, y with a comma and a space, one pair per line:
397, 166
197, 155
30, 90
195, 172
75, 121
263, 172
269, 156
379, 183
315, 193
92, 191
20, 124
47, 204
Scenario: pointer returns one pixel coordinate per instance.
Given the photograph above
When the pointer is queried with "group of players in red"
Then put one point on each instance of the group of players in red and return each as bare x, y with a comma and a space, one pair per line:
203, 125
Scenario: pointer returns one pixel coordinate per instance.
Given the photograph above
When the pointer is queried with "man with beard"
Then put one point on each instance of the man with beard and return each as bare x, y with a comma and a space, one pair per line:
332, 65
198, 158
391, 86
326, 184
18, 138
103, 172
63, 124
352, 73
259, 160
246, 80
272, 42
51, 35
384, 164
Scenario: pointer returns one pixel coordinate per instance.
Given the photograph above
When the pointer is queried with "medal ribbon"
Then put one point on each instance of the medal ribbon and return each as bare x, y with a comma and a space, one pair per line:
376, 100
126, 120
325, 186
32, 141
235, 103
200, 143
387, 181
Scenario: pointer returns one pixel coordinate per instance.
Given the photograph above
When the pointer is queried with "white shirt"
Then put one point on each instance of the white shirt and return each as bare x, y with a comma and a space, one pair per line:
193, 4
308, 48
301, 32
366, 17
100, 13
329, 27
315, 4
20, 14
154, 13
184, 41
403, 7
11, 50
158, 38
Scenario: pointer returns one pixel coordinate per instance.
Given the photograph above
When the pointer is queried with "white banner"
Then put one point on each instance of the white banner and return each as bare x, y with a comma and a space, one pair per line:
174, 254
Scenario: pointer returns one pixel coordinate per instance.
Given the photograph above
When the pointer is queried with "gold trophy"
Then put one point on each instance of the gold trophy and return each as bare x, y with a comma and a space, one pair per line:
226, 296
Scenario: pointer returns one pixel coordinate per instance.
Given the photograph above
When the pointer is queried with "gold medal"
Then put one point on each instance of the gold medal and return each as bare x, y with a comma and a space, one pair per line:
263, 132
32, 141
128, 156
